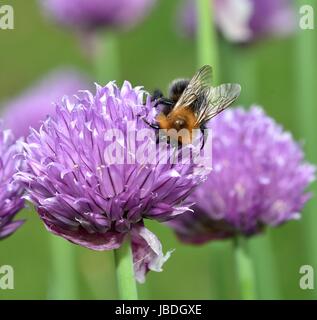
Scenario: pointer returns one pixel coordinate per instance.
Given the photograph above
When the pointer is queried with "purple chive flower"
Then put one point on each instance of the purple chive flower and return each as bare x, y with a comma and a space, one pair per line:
259, 179
86, 197
35, 104
10, 191
242, 21
93, 14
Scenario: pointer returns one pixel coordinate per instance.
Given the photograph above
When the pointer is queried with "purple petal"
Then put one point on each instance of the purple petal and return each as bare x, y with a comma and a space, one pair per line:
9, 228
147, 252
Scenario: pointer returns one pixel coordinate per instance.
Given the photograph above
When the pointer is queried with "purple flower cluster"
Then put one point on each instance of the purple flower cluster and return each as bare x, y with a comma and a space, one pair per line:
10, 191
84, 196
242, 21
259, 179
95, 14
34, 105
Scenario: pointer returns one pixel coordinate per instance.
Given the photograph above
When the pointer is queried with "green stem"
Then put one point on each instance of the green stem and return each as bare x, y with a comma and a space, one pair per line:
207, 46
261, 251
125, 273
245, 270
306, 113
107, 58
63, 279
223, 277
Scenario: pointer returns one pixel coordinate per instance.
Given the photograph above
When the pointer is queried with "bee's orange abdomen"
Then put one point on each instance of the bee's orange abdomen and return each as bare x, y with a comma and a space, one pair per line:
172, 120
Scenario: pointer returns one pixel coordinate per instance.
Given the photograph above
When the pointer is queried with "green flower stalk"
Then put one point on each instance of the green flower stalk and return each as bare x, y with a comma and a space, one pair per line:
207, 44
245, 270
125, 274
63, 280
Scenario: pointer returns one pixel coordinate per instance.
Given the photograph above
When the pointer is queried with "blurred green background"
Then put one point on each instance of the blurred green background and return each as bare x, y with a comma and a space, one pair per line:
152, 54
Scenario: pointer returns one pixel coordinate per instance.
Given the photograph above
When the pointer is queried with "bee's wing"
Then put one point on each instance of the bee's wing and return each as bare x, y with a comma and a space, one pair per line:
216, 100
200, 82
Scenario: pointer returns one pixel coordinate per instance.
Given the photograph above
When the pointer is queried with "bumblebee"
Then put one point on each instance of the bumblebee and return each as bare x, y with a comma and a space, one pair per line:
191, 104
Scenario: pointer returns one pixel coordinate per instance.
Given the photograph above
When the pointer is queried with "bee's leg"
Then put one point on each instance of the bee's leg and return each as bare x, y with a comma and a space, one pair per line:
204, 135
154, 126
157, 128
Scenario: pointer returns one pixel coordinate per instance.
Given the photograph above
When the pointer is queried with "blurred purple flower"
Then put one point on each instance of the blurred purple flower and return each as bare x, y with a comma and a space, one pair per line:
35, 104
243, 21
10, 191
93, 14
89, 200
259, 178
